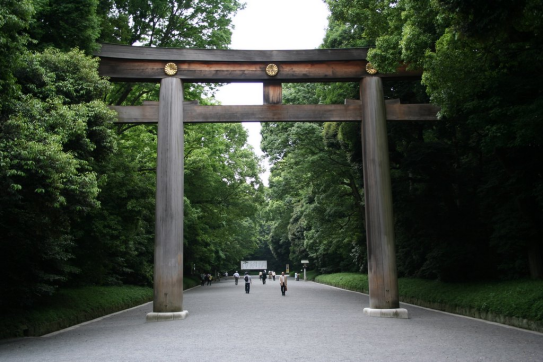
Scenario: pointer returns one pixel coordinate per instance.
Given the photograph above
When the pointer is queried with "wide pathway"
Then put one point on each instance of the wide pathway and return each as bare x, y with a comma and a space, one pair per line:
312, 322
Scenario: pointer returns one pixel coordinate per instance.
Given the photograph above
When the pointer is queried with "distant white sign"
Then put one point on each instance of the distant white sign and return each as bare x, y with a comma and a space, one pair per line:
254, 265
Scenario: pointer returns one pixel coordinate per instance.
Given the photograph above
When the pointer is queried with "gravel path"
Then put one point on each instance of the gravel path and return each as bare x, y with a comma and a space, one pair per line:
312, 322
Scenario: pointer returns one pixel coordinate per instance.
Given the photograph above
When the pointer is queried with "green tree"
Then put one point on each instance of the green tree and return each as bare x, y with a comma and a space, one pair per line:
315, 208
165, 23
47, 145
115, 243
65, 24
15, 17
168, 23
489, 134
222, 194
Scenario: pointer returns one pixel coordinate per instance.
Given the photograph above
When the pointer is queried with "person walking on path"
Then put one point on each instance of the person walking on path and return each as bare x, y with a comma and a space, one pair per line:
236, 277
273, 275
248, 282
264, 276
283, 283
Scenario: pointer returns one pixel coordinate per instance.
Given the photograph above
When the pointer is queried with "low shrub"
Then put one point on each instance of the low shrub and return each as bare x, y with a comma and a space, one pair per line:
69, 307
521, 299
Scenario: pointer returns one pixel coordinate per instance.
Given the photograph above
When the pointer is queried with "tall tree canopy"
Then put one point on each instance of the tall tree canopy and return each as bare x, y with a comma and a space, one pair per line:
168, 23
471, 54
468, 188
77, 200
165, 23
48, 145
65, 25
15, 17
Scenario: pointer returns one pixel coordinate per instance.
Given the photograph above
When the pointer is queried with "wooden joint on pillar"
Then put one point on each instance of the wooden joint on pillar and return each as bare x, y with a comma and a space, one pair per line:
273, 93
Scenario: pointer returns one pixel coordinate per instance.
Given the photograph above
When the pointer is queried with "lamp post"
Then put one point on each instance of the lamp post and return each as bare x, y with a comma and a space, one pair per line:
305, 262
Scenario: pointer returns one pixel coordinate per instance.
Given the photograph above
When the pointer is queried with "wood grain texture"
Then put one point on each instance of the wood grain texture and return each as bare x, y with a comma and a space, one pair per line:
168, 269
229, 55
194, 72
273, 93
411, 112
146, 64
350, 112
382, 275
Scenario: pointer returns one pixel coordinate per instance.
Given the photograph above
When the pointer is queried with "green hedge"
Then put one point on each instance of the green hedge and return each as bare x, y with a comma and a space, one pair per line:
310, 275
69, 307
345, 280
522, 299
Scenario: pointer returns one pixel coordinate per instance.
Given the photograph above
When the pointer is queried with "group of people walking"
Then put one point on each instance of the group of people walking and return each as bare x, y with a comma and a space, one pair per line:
263, 276
207, 278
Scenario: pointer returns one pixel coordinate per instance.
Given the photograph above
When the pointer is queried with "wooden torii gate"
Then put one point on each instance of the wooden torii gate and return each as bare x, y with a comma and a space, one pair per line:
173, 67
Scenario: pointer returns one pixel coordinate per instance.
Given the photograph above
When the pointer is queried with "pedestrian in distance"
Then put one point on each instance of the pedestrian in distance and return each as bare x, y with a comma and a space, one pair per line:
264, 276
273, 275
236, 277
202, 278
248, 282
283, 283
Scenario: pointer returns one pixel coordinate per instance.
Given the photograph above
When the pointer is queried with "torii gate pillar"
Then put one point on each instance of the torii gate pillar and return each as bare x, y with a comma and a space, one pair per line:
168, 271
272, 67
382, 274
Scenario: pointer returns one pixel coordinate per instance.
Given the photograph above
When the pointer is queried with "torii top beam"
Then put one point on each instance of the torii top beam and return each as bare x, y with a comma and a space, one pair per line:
148, 64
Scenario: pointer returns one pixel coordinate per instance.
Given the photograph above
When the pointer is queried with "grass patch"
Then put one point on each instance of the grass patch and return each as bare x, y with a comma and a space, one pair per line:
69, 307
521, 299
345, 280
310, 275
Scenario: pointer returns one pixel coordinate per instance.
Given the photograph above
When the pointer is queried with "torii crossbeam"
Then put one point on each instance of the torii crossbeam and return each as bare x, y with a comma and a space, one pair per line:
173, 67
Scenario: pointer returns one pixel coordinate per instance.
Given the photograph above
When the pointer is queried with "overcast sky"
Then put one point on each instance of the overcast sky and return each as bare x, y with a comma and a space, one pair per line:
272, 25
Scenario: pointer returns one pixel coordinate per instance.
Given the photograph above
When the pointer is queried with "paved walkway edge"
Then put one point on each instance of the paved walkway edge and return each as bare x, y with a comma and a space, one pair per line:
103, 317
93, 320
507, 321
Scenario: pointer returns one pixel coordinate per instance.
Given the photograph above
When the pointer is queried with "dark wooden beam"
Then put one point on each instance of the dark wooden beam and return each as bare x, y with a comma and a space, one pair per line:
201, 72
229, 55
405, 112
275, 113
412, 112
146, 64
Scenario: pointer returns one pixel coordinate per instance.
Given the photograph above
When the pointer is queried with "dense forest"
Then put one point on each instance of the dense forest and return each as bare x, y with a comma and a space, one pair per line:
77, 192
467, 189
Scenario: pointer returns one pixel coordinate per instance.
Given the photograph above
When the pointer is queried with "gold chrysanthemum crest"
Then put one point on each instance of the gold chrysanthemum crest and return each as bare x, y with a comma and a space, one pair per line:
170, 69
370, 69
272, 70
